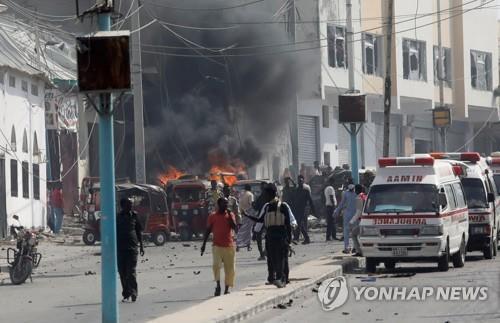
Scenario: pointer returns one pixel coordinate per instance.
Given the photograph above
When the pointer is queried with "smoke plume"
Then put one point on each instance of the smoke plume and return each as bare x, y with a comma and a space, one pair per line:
215, 103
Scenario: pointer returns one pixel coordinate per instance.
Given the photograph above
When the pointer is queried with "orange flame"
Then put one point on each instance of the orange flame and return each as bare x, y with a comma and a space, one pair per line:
227, 174
172, 173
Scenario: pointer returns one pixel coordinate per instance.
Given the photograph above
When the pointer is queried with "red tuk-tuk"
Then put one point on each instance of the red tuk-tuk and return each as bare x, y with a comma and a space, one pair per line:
150, 203
89, 201
189, 208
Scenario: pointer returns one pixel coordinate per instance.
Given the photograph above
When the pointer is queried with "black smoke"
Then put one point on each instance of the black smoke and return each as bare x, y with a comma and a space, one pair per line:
222, 103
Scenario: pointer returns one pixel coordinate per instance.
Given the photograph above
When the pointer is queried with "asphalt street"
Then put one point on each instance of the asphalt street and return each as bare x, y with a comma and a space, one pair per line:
66, 286
477, 272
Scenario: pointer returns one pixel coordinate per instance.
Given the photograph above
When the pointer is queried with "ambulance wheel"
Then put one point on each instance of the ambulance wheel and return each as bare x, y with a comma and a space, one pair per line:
488, 251
159, 238
371, 265
390, 264
459, 256
185, 234
444, 260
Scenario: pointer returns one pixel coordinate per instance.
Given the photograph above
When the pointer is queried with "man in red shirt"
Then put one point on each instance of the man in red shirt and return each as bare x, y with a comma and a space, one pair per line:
56, 203
222, 224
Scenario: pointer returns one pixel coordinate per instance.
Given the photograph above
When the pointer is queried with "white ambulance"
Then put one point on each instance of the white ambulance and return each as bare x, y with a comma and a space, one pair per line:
482, 200
415, 211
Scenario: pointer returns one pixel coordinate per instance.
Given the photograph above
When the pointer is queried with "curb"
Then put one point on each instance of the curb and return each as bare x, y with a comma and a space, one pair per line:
346, 264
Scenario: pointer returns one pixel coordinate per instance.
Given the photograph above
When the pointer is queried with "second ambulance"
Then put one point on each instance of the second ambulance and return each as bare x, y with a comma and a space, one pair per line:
482, 200
415, 211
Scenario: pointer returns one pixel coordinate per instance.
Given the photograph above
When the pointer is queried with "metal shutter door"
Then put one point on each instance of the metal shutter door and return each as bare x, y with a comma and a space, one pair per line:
308, 139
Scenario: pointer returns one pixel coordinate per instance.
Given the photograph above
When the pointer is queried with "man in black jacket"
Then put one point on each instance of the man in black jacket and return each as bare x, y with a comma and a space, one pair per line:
302, 197
278, 220
129, 236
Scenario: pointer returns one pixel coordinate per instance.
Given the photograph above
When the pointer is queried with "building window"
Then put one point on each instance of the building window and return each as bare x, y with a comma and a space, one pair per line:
13, 178
414, 64
26, 179
34, 89
446, 56
24, 86
12, 81
36, 181
480, 70
2, 76
13, 141
326, 116
36, 150
25, 142
337, 51
371, 54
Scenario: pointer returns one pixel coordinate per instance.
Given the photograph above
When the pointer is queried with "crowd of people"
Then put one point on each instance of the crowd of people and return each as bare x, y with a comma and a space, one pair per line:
235, 222
280, 221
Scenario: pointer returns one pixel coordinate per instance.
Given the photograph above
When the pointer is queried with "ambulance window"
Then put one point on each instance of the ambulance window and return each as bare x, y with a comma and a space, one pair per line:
459, 195
396, 198
450, 197
492, 187
496, 179
474, 193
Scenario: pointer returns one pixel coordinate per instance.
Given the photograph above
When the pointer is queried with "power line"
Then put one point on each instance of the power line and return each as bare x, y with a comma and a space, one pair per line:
307, 48
204, 9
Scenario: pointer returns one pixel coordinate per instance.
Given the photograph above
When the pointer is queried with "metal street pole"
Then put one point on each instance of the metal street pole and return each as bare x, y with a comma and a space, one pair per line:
352, 88
440, 73
139, 146
387, 86
108, 216
294, 136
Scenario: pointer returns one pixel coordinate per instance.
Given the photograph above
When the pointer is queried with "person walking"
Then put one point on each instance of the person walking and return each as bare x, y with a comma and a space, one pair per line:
288, 190
129, 238
278, 220
244, 236
222, 224
302, 198
348, 206
354, 223
57, 205
259, 229
330, 203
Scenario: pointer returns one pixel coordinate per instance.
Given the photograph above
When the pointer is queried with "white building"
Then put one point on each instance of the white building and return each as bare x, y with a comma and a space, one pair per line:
470, 76
26, 71
22, 141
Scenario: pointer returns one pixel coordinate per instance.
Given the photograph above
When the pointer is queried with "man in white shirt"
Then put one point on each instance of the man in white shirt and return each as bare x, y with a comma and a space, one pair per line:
244, 236
330, 203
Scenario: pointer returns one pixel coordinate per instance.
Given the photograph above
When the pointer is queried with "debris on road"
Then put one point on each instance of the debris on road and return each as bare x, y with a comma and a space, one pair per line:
197, 272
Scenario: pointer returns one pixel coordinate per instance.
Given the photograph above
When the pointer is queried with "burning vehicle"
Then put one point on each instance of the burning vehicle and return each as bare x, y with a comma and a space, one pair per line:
189, 208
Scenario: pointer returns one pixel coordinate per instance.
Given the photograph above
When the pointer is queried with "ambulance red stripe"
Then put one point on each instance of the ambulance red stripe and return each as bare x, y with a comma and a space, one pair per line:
406, 215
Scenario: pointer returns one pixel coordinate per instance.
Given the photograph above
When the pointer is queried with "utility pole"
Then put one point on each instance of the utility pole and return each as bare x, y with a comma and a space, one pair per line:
388, 65
139, 146
352, 88
109, 307
440, 74
294, 136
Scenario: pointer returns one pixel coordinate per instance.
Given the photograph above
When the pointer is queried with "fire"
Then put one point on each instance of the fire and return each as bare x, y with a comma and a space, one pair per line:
224, 170
172, 173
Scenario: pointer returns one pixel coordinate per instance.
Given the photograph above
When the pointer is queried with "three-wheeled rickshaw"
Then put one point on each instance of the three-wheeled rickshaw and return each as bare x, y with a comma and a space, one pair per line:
189, 208
150, 203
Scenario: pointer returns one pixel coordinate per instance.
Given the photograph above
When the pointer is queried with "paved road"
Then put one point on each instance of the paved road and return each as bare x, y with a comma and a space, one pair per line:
477, 272
168, 281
